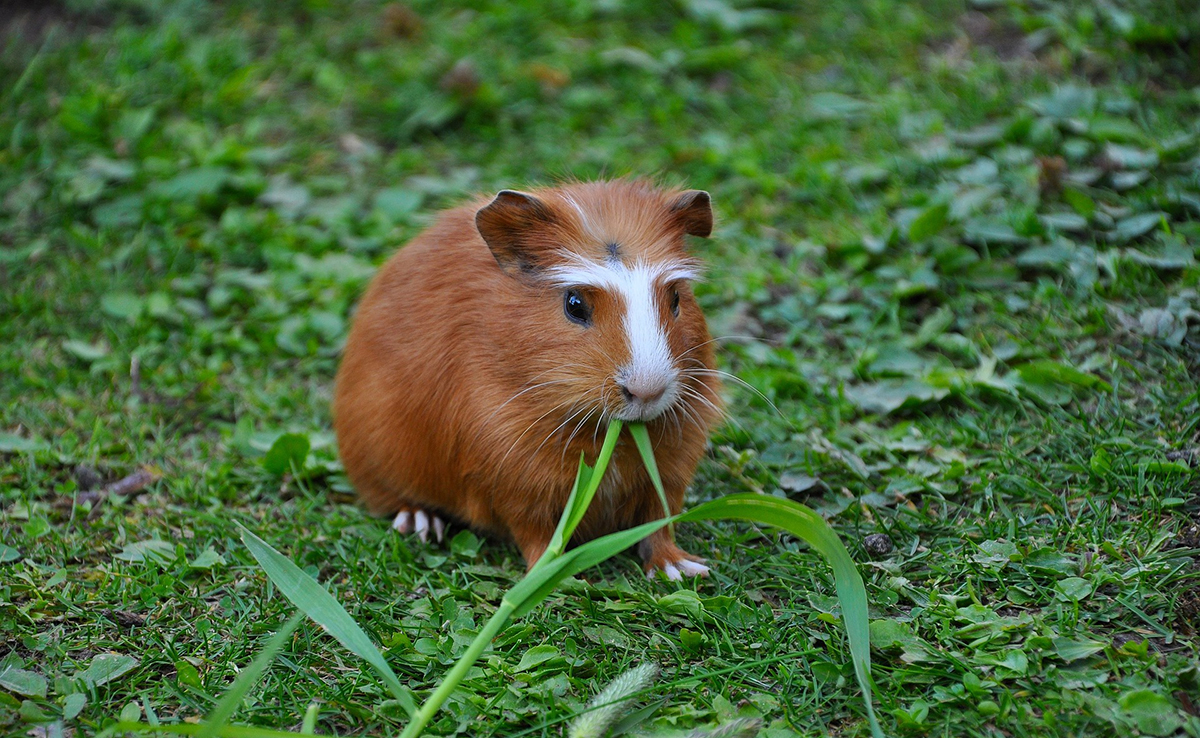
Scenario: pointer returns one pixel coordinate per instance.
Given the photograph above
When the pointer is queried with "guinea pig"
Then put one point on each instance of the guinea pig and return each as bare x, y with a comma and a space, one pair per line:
493, 350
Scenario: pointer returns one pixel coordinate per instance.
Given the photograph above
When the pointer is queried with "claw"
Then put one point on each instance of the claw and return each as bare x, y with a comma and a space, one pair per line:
422, 526
439, 528
403, 522
676, 570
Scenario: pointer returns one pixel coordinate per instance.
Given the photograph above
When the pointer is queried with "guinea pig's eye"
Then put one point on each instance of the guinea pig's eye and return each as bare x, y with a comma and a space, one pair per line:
675, 302
576, 308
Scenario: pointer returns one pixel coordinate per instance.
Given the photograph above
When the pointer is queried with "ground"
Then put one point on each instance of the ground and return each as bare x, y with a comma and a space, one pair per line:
956, 255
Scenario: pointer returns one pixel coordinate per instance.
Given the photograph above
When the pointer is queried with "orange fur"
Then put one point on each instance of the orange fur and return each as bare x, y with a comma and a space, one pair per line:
465, 391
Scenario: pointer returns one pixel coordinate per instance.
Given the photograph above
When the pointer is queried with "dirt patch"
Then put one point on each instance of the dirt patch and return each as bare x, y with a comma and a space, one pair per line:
991, 33
29, 22
1006, 40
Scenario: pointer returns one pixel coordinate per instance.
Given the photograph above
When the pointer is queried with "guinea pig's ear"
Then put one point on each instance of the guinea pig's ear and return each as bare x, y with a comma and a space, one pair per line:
513, 226
692, 210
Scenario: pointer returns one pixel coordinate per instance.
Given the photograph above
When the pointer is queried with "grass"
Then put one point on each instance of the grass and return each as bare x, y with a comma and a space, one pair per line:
541, 581
962, 244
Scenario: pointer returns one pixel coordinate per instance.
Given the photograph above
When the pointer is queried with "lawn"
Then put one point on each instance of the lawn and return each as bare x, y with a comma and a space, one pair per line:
955, 262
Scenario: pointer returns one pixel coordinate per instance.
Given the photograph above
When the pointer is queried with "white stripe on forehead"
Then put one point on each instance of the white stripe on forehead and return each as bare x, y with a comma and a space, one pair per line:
650, 356
614, 275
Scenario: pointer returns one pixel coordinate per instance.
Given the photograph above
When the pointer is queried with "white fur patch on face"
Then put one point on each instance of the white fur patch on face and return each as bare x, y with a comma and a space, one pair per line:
651, 369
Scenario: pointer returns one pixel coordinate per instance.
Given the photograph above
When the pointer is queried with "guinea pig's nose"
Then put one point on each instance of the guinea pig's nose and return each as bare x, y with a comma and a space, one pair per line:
643, 392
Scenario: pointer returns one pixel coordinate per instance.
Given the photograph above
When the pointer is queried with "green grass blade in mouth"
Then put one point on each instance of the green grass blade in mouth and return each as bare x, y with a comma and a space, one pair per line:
641, 437
587, 482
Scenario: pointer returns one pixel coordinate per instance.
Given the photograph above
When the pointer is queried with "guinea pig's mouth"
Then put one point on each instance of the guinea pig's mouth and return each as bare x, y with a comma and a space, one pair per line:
642, 407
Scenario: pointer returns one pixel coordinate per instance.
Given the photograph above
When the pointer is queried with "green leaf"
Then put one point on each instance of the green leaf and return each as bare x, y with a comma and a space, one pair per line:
30, 712
587, 481
305, 593
1073, 589
123, 305
397, 202
1165, 467
153, 550
84, 351
106, 667
1152, 713
836, 106
73, 704
208, 559
8, 553
1072, 650
192, 185
1130, 157
1079, 202
890, 395
537, 655
10, 443
289, 451
247, 678
1052, 372
929, 223
24, 683
466, 544
683, 602
131, 712
1136, 226
187, 674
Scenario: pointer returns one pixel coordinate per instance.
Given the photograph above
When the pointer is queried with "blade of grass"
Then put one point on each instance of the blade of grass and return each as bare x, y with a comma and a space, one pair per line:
555, 566
558, 540
641, 437
578, 507
806, 524
459, 671
247, 678
226, 731
791, 516
305, 593
537, 584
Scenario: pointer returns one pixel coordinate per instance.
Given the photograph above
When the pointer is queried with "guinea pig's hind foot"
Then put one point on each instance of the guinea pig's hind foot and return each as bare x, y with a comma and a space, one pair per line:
413, 519
674, 562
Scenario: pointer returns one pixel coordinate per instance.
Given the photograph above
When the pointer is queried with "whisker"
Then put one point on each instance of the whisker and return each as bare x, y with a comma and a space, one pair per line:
739, 380
690, 392
552, 433
527, 429
724, 338
527, 389
578, 427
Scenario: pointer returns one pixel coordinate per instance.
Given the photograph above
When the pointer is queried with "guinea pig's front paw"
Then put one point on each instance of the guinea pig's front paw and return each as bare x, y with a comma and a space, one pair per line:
675, 563
415, 519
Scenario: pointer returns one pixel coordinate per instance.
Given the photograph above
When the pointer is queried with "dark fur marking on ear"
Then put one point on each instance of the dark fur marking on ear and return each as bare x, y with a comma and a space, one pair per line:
692, 210
513, 227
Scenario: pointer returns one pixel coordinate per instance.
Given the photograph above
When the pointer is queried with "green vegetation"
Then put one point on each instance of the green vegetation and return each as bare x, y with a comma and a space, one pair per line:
956, 250
541, 581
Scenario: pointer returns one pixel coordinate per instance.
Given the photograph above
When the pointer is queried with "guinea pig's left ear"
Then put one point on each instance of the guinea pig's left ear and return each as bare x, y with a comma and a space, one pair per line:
692, 210
514, 227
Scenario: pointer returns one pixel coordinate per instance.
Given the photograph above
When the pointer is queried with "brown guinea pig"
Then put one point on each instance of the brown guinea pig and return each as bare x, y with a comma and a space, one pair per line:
494, 349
